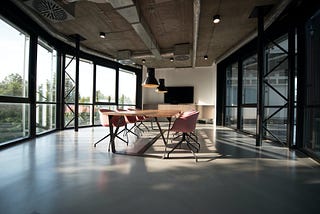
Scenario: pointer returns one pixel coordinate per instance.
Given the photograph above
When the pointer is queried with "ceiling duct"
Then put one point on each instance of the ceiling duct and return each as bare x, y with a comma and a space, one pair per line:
124, 57
128, 10
52, 10
181, 52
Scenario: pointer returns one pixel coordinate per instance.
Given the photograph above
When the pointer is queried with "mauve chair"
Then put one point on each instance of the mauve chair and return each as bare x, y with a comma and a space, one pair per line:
117, 121
186, 124
140, 119
129, 120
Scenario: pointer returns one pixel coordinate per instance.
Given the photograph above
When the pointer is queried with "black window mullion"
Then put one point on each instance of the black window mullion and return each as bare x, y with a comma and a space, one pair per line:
33, 83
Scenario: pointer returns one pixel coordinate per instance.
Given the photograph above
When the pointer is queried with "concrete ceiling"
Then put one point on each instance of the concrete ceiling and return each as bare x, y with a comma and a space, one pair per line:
153, 30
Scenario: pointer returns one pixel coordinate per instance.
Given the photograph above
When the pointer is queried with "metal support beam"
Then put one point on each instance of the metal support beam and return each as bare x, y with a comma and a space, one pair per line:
76, 99
239, 95
32, 83
77, 38
291, 87
260, 98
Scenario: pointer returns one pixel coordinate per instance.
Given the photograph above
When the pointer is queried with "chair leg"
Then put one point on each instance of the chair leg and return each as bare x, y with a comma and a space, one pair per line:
194, 140
130, 130
195, 156
184, 138
144, 125
179, 143
101, 140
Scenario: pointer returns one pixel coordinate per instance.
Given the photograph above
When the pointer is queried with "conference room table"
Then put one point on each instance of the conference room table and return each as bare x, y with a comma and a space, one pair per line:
153, 114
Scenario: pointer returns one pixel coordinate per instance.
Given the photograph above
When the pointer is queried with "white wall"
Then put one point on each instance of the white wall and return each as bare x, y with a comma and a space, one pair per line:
203, 79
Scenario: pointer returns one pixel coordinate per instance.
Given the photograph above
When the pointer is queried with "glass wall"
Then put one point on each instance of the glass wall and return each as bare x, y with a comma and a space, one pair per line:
127, 88
85, 93
106, 79
231, 115
14, 64
105, 84
276, 89
249, 95
46, 88
29, 87
69, 90
312, 87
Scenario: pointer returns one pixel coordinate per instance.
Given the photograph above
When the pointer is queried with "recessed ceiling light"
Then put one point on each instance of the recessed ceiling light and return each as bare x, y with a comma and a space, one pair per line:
216, 19
102, 35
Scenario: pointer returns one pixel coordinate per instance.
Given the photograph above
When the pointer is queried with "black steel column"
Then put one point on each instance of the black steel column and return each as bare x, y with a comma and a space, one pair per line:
60, 90
260, 94
33, 83
291, 87
76, 99
239, 96
94, 99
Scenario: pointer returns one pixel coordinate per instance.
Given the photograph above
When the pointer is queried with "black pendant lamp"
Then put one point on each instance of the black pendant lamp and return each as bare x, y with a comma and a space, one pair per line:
162, 88
150, 81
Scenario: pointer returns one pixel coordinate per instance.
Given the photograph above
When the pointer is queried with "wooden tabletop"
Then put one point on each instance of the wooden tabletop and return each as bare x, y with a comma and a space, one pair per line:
147, 113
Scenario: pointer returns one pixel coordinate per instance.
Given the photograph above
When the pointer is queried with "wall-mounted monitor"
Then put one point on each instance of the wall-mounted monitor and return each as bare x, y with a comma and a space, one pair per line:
179, 94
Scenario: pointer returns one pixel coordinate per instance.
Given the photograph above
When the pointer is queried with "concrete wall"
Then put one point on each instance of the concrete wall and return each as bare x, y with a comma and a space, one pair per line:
203, 79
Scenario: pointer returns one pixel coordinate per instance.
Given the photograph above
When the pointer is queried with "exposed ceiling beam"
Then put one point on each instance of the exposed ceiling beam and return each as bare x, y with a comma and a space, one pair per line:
130, 11
196, 16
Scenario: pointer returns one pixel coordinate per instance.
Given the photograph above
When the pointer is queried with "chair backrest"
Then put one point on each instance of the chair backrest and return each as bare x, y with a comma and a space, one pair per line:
187, 113
104, 119
186, 122
139, 118
130, 119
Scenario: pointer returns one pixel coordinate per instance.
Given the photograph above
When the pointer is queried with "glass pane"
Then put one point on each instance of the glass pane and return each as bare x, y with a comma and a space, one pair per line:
85, 115
277, 70
14, 61
46, 117
14, 121
127, 87
312, 130
85, 82
105, 84
69, 115
312, 90
231, 117
96, 112
277, 124
232, 85
249, 81
249, 119
70, 75
46, 74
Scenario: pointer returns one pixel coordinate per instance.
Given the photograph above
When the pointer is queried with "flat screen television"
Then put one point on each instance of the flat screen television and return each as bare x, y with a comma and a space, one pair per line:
179, 94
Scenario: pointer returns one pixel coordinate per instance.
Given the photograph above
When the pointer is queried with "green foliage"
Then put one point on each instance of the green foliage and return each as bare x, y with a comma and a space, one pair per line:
11, 115
12, 85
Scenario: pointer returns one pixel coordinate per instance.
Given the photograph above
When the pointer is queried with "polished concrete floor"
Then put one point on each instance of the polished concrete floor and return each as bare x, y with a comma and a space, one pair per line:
63, 173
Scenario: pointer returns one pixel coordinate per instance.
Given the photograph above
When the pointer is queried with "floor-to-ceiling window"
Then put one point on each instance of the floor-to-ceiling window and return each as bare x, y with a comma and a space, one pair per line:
14, 97
69, 91
312, 86
46, 97
105, 91
249, 95
38, 82
127, 88
85, 93
231, 115
276, 89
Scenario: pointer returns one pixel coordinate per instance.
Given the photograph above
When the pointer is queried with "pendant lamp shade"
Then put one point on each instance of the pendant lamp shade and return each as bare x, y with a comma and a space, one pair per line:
162, 88
150, 81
